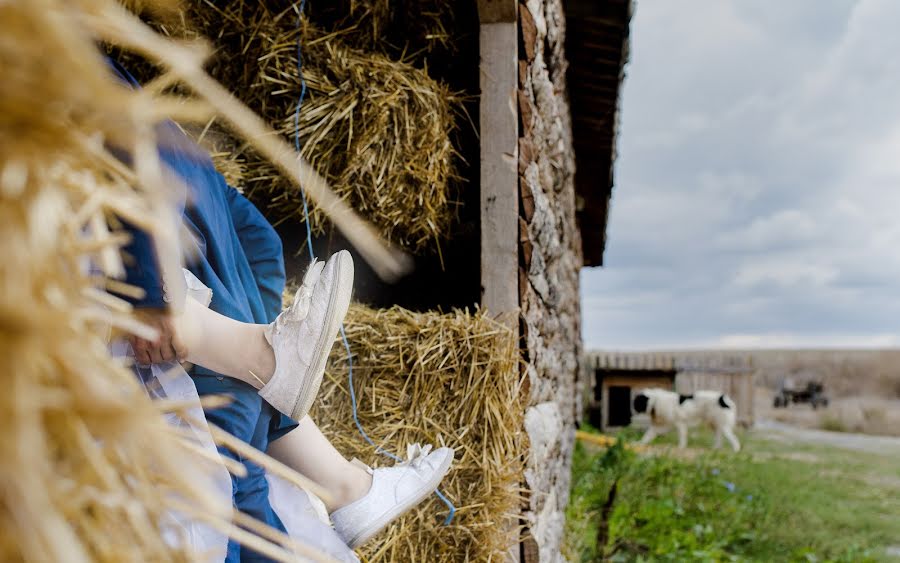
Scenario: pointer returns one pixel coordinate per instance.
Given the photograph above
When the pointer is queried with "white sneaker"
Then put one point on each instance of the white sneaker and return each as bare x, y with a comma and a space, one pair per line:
303, 334
394, 491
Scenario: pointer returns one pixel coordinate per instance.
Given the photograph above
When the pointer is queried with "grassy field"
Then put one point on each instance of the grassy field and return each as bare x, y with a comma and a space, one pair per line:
772, 502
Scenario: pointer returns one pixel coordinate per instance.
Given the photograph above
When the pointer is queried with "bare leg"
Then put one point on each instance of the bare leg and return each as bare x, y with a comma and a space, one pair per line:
306, 450
225, 346
236, 349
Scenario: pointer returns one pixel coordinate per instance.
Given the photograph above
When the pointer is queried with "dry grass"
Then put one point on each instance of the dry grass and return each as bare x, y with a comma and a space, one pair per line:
89, 469
220, 146
859, 414
183, 62
845, 373
863, 387
379, 130
447, 379
88, 466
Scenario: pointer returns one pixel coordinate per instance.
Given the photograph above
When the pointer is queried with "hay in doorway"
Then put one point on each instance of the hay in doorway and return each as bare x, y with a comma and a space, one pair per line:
445, 379
378, 129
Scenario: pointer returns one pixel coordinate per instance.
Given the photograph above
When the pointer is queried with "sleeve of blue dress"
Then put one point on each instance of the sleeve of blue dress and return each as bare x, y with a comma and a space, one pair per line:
142, 269
141, 264
262, 246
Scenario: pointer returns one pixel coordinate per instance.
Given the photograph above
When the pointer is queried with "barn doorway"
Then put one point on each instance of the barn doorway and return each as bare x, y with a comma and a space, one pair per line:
619, 406
611, 404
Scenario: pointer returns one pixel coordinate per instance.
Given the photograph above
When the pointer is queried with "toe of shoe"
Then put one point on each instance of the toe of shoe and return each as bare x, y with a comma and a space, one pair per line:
443, 455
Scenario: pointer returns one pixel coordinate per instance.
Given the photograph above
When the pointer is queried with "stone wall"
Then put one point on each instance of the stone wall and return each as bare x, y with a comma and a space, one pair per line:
550, 260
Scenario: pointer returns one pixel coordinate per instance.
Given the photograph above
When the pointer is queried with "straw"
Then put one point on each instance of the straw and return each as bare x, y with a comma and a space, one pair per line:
89, 469
378, 129
445, 379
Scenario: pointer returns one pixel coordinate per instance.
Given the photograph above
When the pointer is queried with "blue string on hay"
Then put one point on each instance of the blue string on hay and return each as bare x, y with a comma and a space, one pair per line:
309, 247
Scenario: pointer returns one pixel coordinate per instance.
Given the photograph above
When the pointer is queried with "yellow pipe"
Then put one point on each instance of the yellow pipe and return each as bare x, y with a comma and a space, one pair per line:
605, 441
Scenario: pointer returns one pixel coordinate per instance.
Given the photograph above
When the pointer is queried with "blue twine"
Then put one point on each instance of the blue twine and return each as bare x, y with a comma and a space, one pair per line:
297, 145
379, 449
297, 127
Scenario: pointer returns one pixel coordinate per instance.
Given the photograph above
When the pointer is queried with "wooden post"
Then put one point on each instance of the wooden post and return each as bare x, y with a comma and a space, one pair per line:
499, 130
602, 403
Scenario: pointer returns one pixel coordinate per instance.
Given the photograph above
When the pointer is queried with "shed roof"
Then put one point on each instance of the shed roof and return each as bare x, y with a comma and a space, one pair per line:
597, 33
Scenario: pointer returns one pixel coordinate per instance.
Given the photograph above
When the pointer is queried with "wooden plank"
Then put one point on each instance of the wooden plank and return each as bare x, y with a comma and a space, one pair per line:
499, 127
499, 133
637, 382
737, 385
577, 9
605, 405
496, 11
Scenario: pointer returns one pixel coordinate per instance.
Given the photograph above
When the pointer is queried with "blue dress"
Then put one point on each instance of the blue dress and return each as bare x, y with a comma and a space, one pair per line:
239, 256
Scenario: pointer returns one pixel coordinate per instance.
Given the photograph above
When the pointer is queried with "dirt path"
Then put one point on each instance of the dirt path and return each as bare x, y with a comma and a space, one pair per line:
884, 445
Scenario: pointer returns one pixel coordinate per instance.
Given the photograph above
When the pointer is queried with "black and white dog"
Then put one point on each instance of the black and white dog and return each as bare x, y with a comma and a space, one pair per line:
668, 409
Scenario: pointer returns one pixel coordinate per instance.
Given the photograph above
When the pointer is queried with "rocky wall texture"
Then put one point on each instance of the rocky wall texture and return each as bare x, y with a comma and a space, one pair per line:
550, 260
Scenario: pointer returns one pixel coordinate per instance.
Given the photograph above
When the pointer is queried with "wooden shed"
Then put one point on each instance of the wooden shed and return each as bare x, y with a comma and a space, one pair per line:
615, 378
730, 373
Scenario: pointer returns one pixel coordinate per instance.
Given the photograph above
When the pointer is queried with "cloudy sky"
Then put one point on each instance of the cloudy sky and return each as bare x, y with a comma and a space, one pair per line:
757, 197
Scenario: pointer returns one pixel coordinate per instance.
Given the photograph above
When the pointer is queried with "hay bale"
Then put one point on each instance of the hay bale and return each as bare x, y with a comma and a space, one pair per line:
379, 130
446, 379
232, 166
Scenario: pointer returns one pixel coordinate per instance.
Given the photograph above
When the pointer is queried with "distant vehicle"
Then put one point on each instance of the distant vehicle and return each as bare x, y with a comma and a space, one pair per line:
814, 394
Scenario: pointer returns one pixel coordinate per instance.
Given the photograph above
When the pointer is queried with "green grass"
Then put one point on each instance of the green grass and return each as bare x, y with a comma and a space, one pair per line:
772, 502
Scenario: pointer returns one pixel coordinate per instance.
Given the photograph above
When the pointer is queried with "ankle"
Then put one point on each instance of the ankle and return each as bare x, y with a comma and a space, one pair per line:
264, 363
352, 489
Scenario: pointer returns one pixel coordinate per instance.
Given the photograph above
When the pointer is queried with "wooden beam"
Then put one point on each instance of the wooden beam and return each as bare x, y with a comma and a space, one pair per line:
499, 127
495, 11
499, 133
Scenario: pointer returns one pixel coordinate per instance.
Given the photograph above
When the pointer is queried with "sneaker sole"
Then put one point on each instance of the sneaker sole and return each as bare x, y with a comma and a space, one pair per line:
382, 521
338, 303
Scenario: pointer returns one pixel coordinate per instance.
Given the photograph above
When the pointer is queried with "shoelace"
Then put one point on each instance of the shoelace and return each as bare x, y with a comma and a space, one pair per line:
415, 455
299, 308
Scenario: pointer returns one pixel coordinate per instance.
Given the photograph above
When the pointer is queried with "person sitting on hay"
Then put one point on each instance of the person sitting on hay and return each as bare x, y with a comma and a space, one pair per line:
269, 362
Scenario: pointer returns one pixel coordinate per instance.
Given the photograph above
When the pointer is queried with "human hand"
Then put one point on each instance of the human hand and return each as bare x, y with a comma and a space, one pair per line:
167, 347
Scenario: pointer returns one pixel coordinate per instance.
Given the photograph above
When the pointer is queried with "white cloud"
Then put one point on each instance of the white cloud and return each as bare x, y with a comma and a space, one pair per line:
758, 185
789, 340
786, 274
785, 227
